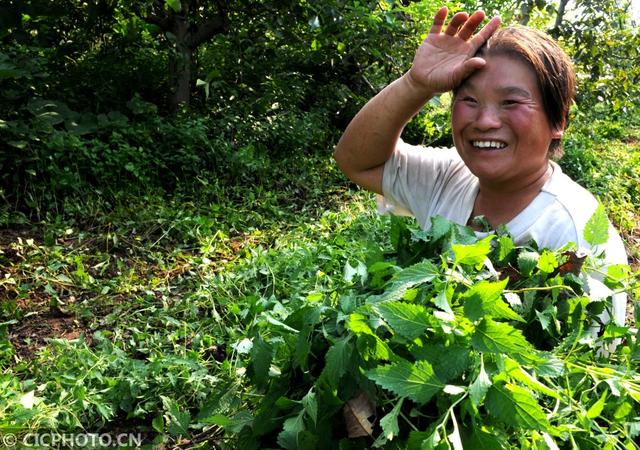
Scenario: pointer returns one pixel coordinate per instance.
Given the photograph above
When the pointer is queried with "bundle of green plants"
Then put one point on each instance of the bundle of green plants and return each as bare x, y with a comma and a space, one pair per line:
452, 341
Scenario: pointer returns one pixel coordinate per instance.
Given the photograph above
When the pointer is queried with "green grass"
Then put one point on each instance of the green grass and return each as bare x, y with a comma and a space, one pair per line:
132, 314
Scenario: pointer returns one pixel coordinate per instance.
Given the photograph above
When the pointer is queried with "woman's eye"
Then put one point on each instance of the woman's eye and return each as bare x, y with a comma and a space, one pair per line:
510, 102
469, 99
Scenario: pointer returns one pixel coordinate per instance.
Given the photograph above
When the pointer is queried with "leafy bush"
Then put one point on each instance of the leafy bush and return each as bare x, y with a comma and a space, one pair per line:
442, 347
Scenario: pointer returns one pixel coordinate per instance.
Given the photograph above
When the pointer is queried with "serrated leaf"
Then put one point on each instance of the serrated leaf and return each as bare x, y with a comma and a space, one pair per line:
310, 405
406, 319
358, 324
548, 262
515, 406
485, 299
448, 362
596, 231
416, 381
442, 301
261, 356
481, 440
439, 227
478, 389
496, 337
550, 366
419, 273
505, 247
389, 422
371, 347
337, 361
516, 372
177, 421
288, 437
404, 280
473, 254
527, 261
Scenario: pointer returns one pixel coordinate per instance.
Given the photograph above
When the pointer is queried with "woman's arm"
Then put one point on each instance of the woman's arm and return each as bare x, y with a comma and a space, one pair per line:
441, 63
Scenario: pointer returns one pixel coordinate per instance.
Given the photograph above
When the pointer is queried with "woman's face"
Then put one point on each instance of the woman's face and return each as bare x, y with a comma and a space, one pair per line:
499, 125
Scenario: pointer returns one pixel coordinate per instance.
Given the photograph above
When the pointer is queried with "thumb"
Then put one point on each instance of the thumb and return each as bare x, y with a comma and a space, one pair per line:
470, 66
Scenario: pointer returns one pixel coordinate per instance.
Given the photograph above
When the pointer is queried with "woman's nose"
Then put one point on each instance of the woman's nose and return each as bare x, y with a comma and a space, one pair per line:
488, 118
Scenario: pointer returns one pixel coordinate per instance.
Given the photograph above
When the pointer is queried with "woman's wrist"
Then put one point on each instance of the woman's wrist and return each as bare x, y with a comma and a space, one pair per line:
417, 90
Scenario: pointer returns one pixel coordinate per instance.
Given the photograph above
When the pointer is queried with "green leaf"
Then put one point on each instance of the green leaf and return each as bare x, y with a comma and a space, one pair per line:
479, 439
389, 422
419, 273
485, 299
596, 409
293, 426
422, 440
596, 231
505, 247
310, 405
547, 262
497, 337
478, 389
158, 424
442, 301
177, 421
623, 410
371, 347
416, 381
448, 362
358, 324
515, 406
406, 319
473, 254
516, 372
527, 261
439, 227
175, 5
337, 361
261, 356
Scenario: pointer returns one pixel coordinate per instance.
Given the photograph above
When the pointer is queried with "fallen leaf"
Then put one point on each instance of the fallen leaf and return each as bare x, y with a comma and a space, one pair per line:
357, 412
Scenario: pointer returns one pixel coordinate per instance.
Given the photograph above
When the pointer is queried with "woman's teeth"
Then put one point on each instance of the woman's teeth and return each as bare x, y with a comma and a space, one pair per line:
489, 144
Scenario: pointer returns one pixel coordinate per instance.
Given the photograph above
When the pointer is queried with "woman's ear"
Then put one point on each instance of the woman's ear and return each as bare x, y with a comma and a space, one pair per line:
557, 133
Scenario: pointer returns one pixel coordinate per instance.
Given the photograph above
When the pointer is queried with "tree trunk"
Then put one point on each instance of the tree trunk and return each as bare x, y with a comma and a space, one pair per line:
184, 35
555, 31
180, 64
525, 10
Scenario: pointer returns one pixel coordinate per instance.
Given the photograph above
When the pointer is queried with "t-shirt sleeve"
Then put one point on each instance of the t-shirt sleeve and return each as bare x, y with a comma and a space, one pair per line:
413, 180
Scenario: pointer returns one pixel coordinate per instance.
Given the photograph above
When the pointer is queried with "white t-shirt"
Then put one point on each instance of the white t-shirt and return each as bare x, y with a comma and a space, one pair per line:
435, 181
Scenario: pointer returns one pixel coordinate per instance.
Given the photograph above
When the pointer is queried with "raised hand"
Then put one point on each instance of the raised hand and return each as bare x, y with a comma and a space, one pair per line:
445, 59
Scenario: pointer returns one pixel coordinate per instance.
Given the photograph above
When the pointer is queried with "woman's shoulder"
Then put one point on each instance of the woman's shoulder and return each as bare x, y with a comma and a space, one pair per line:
574, 199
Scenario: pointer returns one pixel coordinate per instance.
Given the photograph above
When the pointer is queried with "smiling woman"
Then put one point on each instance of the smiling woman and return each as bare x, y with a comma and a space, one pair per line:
513, 88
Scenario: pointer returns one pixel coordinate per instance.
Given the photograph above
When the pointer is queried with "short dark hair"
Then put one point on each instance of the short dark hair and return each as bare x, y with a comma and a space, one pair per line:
552, 68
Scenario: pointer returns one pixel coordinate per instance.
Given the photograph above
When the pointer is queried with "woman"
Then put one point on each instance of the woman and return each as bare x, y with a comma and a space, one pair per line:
513, 88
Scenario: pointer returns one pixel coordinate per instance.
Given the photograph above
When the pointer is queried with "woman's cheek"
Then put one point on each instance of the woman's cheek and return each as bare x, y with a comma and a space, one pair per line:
460, 114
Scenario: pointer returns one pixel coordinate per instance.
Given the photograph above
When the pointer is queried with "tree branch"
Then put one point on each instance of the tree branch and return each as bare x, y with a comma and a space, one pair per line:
206, 31
163, 22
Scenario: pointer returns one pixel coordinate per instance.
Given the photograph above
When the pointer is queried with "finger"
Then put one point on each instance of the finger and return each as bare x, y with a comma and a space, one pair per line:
485, 33
438, 20
470, 66
471, 25
456, 22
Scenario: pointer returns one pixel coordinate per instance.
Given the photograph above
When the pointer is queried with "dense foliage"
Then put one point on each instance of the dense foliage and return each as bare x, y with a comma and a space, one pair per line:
454, 342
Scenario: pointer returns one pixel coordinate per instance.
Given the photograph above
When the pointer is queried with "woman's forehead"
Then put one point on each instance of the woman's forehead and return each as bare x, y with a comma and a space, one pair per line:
504, 75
